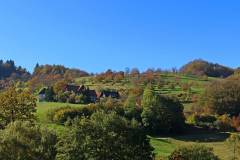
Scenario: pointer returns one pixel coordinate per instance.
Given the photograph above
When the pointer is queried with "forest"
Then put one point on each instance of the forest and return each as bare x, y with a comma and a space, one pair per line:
61, 113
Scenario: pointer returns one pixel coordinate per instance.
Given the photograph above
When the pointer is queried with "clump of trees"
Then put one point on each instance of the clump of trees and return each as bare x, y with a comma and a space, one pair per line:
161, 114
219, 106
8, 69
110, 76
194, 152
91, 134
27, 141
104, 136
222, 97
16, 105
10, 74
214, 122
48, 75
203, 68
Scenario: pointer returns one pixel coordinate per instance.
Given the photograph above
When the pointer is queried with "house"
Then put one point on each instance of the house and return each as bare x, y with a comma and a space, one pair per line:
42, 94
75, 89
112, 94
92, 95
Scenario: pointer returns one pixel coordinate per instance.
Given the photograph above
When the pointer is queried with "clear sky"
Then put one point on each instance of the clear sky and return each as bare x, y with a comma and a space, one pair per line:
95, 35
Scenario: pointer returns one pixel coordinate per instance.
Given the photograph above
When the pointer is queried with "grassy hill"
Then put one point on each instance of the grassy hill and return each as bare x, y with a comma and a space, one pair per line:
163, 145
174, 84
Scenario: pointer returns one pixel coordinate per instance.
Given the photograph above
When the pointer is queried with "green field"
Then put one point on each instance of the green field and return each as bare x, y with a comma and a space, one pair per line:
163, 145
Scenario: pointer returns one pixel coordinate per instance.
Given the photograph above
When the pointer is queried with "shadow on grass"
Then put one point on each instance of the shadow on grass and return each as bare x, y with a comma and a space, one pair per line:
203, 137
195, 134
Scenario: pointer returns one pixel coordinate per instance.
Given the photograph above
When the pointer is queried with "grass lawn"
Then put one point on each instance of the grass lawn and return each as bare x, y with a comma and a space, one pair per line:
44, 107
165, 146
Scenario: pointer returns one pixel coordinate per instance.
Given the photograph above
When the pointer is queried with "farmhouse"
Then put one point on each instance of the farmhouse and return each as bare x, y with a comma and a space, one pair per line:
91, 95
112, 94
42, 94
76, 89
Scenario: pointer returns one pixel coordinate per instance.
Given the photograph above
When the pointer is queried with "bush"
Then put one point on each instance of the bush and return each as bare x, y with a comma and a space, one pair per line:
26, 141
62, 114
236, 123
220, 123
195, 152
109, 105
224, 123
62, 97
202, 120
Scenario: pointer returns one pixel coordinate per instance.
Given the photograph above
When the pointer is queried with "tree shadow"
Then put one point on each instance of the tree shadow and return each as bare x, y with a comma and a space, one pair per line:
202, 135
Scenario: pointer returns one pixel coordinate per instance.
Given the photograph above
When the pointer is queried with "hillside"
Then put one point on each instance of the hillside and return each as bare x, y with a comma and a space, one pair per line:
203, 68
48, 75
200, 128
185, 87
8, 69
10, 74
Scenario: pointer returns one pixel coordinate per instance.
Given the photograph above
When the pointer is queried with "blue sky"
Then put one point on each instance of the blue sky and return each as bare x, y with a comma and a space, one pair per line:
95, 35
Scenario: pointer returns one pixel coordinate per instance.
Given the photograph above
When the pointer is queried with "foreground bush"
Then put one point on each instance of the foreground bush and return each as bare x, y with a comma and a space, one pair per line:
104, 137
195, 152
16, 105
25, 141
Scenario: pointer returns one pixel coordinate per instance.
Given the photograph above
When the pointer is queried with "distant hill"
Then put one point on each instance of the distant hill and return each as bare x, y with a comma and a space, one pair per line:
41, 70
9, 70
203, 68
236, 75
47, 75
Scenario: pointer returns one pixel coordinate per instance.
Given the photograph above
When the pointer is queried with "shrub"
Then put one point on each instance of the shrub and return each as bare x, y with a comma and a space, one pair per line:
26, 141
195, 152
71, 98
62, 97
224, 123
203, 119
109, 105
236, 123
220, 123
61, 115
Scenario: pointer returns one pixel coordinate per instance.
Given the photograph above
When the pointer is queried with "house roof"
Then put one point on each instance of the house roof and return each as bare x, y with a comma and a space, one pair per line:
42, 91
113, 94
74, 88
92, 93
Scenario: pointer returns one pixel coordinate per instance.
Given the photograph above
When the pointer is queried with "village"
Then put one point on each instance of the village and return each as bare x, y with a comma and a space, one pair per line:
77, 94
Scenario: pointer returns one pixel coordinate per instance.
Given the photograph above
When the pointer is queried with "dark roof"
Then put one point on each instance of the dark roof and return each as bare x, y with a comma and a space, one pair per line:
92, 93
75, 89
42, 91
113, 94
